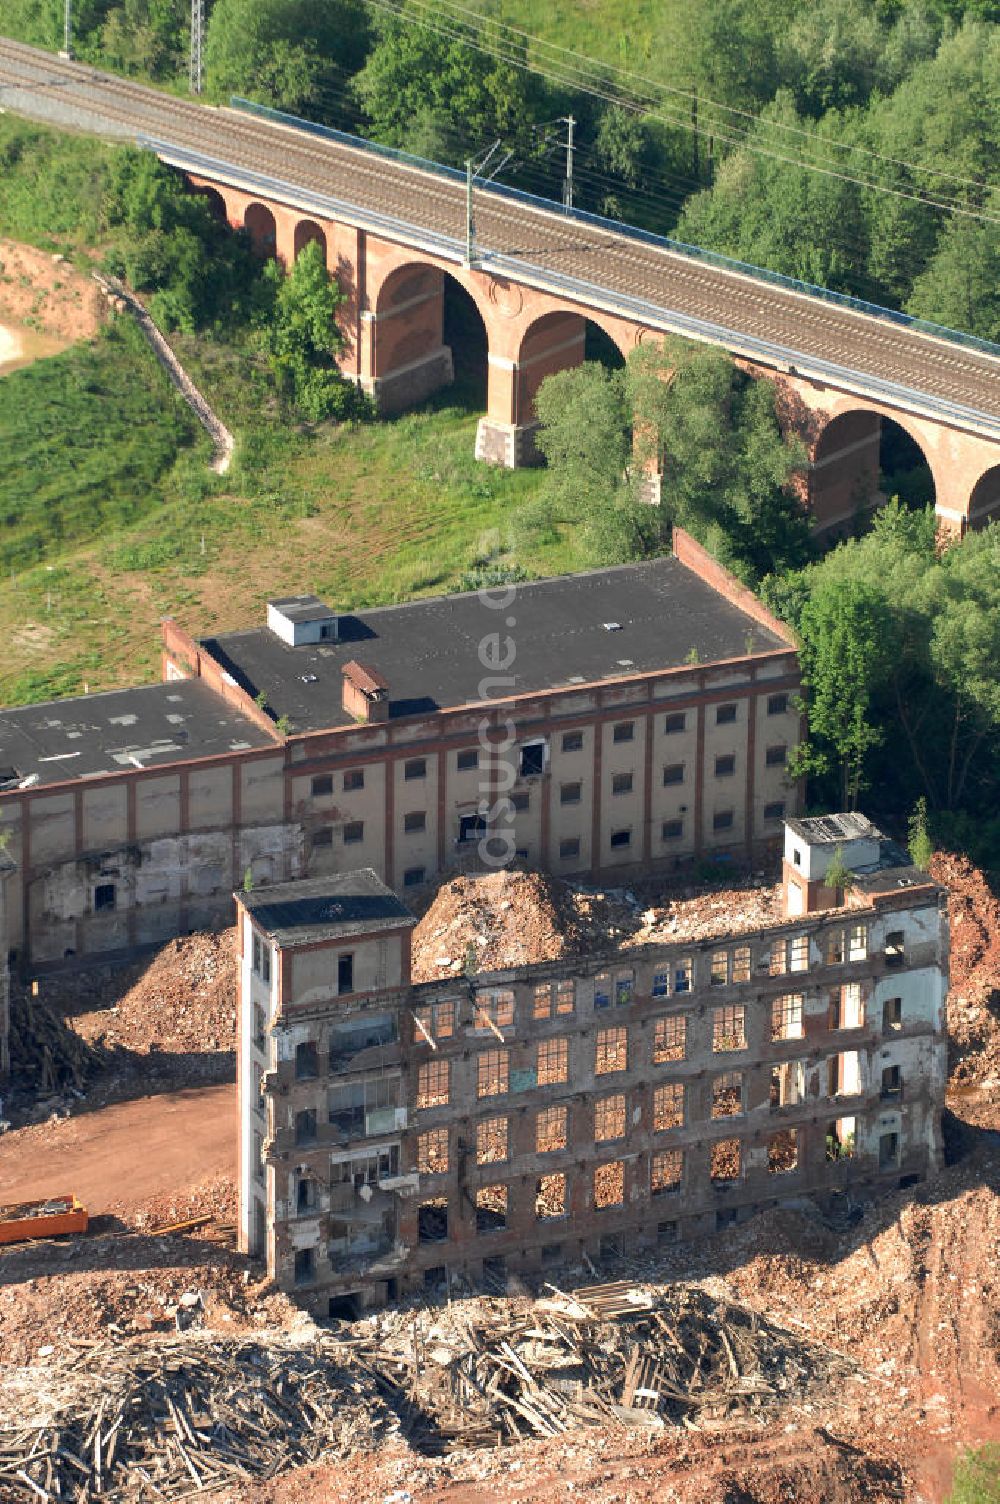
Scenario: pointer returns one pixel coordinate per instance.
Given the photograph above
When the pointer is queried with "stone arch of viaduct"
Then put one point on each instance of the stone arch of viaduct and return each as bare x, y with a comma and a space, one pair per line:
392, 322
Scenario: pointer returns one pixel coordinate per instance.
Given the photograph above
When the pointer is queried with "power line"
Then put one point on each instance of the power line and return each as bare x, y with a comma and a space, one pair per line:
600, 71
428, 20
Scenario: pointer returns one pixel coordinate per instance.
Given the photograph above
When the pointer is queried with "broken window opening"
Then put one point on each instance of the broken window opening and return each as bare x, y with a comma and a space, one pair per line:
727, 1095
609, 1118
305, 1126
491, 1208
552, 1061
492, 1139
666, 1171
533, 759
892, 1082
683, 972
602, 989
624, 988
847, 1007
609, 1185
726, 1162
493, 1073
729, 1028
550, 1197
434, 1084
783, 1152
305, 1266
610, 1051
841, 1137
550, 1130
494, 1009
892, 1015
788, 1084
432, 1152
306, 1061
894, 948
432, 1221
305, 1194
668, 1106
719, 970
857, 942
786, 1016
669, 1039
888, 1151
844, 1074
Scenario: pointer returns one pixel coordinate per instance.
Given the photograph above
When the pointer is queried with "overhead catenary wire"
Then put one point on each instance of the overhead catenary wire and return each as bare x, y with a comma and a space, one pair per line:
601, 72
429, 20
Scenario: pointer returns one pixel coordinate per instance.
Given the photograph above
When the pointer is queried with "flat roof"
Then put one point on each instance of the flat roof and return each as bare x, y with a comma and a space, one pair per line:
823, 830
325, 908
92, 735
573, 629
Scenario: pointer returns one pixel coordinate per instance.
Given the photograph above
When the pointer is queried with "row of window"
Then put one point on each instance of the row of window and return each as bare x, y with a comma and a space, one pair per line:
474, 827
467, 759
495, 1076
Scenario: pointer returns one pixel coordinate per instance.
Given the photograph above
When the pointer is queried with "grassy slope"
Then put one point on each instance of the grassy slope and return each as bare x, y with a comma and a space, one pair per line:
625, 33
365, 516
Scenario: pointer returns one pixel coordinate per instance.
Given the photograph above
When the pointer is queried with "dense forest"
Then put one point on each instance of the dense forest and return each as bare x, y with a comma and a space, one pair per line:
851, 144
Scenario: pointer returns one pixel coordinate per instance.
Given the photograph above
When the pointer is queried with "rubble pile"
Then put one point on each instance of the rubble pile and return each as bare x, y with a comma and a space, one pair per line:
974, 998
487, 923
184, 999
181, 1415
648, 1356
513, 918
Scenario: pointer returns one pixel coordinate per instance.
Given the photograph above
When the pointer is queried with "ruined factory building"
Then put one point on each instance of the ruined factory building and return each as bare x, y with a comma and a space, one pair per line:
393, 1133
636, 718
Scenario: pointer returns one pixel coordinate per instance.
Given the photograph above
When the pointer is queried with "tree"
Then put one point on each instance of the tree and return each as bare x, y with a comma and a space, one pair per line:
964, 604
145, 36
844, 631
727, 468
438, 96
302, 340
960, 286
292, 54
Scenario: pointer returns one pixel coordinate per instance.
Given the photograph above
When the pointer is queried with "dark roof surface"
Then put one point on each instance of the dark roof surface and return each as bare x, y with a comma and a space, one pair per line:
429, 651
115, 732
325, 908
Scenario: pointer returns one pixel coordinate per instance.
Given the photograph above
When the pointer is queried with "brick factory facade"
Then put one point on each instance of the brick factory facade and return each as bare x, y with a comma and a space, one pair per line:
394, 1134
646, 722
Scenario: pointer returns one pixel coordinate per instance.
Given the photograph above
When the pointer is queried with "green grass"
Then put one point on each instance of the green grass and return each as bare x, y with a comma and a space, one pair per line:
52, 186
90, 439
363, 516
625, 33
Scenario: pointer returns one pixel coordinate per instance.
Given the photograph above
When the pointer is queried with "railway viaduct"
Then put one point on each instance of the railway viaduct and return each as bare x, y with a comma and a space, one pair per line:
392, 321
393, 232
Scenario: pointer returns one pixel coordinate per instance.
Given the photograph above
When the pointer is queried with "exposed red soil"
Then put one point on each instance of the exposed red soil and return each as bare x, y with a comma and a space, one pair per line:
49, 291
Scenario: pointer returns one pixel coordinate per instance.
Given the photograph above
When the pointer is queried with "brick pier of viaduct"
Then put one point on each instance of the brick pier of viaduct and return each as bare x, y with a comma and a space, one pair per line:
392, 322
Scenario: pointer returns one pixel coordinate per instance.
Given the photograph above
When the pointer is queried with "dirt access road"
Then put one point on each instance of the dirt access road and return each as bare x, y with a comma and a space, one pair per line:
127, 1154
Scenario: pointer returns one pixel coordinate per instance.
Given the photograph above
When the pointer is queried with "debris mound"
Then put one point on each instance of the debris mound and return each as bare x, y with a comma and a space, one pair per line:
974, 999
515, 918
181, 1415
184, 999
487, 923
487, 1372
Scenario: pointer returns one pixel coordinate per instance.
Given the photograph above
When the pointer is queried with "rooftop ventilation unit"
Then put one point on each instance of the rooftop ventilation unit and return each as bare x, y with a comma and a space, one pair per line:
302, 619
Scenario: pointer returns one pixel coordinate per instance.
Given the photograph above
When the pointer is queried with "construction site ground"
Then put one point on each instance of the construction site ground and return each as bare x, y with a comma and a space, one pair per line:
136, 1114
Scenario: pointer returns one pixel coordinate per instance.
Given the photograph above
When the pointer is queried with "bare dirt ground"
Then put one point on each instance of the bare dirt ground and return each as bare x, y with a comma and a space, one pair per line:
48, 294
909, 1291
185, 1137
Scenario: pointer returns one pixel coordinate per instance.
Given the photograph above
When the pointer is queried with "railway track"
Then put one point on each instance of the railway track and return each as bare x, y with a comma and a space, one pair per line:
596, 266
